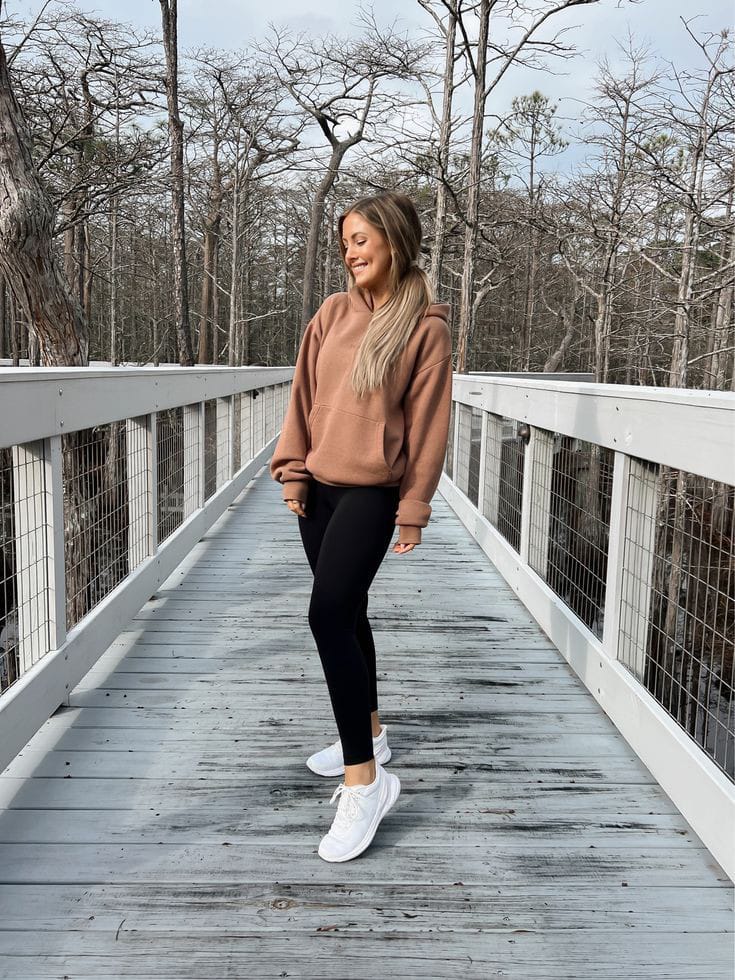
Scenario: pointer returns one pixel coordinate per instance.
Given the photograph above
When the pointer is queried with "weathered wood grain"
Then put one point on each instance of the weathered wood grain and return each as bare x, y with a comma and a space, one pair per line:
164, 824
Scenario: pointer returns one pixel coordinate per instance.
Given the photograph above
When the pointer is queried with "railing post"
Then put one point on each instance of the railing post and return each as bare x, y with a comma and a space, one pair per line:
270, 413
283, 403
455, 440
462, 451
225, 455
142, 468
246, 427
193, 458
258, 440
491, 448
630, 562
539, 463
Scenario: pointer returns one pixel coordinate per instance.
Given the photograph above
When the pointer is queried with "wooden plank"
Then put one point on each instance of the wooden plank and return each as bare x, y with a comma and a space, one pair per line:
334, 952
165, 825
302, 907
395, 862
611, 801
280, 826
285, 743
149, 764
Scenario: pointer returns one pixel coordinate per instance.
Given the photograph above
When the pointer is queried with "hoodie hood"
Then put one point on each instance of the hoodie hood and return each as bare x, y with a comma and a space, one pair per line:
361, 304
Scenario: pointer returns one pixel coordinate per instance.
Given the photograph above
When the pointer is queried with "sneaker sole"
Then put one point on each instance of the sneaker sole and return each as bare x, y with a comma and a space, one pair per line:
382, 757
393, 789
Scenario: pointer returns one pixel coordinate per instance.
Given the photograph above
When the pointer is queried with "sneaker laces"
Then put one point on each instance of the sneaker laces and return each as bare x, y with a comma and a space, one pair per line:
348, 809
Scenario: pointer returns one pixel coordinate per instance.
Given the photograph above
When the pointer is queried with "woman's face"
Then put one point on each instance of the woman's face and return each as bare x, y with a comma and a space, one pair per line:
367, 253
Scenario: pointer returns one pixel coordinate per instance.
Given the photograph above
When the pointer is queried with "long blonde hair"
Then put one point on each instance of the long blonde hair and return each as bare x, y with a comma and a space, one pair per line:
411, 293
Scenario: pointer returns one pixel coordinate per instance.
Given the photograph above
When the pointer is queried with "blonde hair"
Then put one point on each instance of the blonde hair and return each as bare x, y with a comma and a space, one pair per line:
395, 216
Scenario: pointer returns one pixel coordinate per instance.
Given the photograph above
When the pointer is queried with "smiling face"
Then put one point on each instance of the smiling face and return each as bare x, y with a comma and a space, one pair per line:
366, 253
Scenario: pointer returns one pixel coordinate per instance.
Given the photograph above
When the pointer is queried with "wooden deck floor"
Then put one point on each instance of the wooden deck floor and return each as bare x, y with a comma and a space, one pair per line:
165, 824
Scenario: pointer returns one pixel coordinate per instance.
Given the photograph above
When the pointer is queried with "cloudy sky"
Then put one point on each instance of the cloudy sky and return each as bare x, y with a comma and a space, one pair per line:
594, 29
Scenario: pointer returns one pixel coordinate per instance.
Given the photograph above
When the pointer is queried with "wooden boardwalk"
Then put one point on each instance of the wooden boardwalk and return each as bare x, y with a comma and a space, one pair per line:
165, 824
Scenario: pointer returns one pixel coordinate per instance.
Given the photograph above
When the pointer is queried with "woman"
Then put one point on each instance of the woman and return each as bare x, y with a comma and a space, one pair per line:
361, 451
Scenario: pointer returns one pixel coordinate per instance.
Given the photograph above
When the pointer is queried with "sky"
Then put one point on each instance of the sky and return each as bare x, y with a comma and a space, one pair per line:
594, 29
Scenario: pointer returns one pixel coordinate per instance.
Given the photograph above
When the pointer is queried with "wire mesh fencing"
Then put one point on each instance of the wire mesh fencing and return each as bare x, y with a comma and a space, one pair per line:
569, 535
80, 510
677, 617
96, 515
170, 471
210, 448
674, 611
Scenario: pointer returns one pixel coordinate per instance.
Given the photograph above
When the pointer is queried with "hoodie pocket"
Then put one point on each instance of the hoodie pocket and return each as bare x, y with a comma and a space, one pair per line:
346, 448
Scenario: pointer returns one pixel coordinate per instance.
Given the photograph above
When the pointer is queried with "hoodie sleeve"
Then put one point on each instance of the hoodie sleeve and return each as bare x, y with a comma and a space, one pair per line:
287, 463
427, 406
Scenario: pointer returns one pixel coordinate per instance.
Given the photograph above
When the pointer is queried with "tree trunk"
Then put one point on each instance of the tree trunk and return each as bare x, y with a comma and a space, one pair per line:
26, 256
212, 225
113, 280
445, 131
169, 16
473, 196
235, 257
556, 359
3, 316
308, 303
722, 326
328, 249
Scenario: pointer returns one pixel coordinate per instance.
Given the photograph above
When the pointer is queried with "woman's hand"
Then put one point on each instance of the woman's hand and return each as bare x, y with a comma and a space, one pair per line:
297, 507
402, 549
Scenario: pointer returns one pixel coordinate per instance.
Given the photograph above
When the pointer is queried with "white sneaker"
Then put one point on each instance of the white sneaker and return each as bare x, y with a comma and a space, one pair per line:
360, 810
330, 761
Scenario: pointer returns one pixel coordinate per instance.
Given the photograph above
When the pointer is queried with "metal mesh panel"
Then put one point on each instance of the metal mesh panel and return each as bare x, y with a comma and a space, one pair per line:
192, 450
210, 448
96, 523
577, 476
170, 447
8, 609
677, 616
473, 475
510, 482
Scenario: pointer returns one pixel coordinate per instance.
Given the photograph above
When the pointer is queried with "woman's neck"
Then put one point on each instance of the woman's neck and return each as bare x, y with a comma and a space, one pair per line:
377, 297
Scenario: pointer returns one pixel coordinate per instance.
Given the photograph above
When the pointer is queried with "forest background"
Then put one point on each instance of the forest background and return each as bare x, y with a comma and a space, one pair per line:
194, 190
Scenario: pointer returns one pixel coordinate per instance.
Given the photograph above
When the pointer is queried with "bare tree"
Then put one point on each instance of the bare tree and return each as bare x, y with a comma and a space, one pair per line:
27, 260
338, 84
531, 133
169, 22
598, 206
498, 55
442, 148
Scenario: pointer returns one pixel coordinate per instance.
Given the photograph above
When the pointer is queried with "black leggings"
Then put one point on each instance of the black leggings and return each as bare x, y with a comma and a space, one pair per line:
346, 534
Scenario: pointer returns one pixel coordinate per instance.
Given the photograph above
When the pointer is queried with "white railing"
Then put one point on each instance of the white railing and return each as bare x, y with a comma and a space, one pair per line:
610, 511
108, 478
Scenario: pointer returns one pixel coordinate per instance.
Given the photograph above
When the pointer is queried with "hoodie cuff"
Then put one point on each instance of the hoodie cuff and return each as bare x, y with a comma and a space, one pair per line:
409, 534
414, 512
295, 490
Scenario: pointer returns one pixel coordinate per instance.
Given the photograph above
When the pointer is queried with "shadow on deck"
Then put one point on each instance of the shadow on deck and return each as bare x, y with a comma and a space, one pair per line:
165, 825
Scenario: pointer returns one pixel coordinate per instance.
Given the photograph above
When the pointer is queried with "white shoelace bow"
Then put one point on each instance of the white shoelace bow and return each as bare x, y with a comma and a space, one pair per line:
348, 809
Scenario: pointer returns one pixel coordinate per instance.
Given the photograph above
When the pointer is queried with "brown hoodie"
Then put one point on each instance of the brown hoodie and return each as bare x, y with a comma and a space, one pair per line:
394, 436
